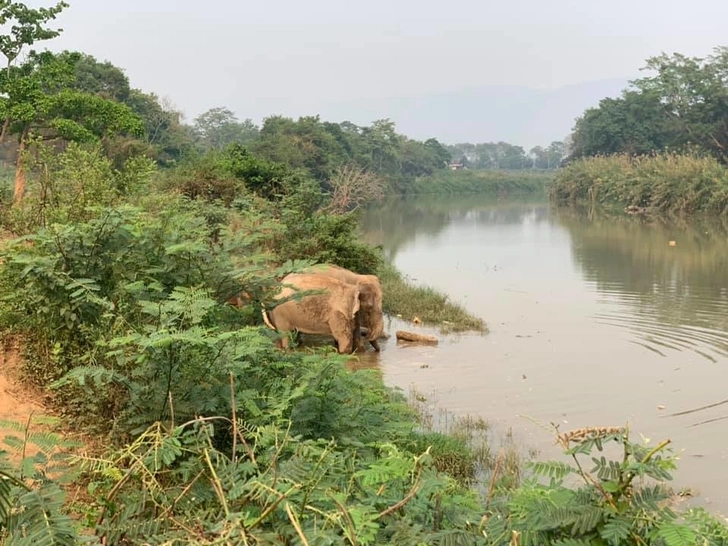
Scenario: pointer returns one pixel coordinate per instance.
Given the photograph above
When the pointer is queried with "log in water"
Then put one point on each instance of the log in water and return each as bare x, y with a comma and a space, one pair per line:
417, 338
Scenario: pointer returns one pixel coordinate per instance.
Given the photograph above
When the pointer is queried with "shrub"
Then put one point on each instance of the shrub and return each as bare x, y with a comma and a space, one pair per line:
70, 289
72, 185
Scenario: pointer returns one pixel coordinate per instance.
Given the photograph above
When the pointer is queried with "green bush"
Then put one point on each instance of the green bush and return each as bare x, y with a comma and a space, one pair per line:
31, 489
621, 499
72, 185
326, 238
69, 289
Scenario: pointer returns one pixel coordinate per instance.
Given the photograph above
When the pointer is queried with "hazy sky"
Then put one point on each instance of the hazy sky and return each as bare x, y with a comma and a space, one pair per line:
298, 57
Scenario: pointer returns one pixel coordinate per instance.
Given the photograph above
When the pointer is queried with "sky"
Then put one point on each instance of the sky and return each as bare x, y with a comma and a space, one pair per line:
362, 59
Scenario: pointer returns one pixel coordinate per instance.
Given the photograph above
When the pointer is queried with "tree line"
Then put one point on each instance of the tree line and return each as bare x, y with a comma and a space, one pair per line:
681, 107
65, 97
504, 156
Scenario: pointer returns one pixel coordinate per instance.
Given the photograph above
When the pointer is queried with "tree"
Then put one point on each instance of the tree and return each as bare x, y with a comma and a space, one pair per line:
634, 123
539, 157
682, 104
166, 136
39, 102
27, 26
352, 187
103, 79
555, 154
438, 151
219, 127
464, 153
693, 93
302, 144
382, 141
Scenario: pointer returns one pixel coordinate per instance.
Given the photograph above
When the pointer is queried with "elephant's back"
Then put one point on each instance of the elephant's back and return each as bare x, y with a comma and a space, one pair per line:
311, 281
311, 313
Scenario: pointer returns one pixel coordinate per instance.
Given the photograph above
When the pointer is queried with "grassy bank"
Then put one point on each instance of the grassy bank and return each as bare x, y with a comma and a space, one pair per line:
402, 297
679, 184
448, 182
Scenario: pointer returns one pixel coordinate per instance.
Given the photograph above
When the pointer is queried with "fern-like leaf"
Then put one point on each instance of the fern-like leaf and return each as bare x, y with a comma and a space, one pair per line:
551, 469
677, 535
616, 530
37, 520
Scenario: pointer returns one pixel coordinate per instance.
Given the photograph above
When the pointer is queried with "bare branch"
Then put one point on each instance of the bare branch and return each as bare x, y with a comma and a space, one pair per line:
352, 187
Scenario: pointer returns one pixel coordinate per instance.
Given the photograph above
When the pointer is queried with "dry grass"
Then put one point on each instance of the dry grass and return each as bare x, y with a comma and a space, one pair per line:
683, 184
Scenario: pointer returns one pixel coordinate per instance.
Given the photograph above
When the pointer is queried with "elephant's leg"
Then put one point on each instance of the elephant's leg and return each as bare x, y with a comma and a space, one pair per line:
343, 331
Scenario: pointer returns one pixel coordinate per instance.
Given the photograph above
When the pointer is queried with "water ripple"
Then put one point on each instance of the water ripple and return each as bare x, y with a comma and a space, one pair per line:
662, 321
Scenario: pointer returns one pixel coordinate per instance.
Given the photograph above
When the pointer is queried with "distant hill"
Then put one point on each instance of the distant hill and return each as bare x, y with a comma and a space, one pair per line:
518, 115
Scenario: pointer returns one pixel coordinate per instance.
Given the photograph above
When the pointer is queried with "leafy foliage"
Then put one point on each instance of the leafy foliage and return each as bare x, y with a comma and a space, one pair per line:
70, 186
681, 106
610, 507
484, 182
27, 26
322, 148
219, 127
70, 286
31, 497
272, 488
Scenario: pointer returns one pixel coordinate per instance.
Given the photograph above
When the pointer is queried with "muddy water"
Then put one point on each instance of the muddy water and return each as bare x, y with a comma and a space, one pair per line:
594, 321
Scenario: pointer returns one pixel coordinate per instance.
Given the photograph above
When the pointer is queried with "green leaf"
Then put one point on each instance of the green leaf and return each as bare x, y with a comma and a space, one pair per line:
677, 535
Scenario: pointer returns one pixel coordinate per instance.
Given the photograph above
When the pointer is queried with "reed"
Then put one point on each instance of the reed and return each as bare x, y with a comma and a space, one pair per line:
663, 182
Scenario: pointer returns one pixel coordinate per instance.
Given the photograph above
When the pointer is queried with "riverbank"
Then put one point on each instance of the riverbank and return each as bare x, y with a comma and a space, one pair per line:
498, 182
404, 298
678, 184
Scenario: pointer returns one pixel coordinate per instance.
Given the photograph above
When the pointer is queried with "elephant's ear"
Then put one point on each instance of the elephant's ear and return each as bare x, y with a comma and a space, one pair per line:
355, 304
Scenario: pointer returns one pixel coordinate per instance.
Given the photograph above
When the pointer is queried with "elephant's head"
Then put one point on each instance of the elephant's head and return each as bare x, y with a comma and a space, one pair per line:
371, 316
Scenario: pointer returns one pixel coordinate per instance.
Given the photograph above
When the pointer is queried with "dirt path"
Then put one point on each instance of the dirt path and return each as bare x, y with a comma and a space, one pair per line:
18, 403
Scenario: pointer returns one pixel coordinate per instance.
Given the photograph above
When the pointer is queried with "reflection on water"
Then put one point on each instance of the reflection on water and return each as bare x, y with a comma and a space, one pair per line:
595, 320
668, 297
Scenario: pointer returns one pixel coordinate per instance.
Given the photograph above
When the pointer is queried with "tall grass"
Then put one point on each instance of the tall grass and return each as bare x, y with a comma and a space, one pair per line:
401, 297
483, 181
683, 184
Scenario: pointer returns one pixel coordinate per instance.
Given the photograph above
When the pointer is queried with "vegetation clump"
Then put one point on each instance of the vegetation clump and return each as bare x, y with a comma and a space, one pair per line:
660, 145
680, 184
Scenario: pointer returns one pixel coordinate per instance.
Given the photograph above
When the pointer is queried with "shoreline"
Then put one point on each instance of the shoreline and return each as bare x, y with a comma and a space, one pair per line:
403, 298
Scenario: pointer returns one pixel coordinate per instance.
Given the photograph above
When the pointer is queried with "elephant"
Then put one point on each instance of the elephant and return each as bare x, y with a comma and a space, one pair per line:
332, 312
370, 295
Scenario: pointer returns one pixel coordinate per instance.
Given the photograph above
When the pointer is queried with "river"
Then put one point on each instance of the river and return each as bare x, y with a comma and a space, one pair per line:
595, 320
